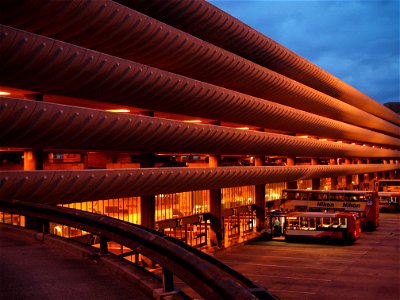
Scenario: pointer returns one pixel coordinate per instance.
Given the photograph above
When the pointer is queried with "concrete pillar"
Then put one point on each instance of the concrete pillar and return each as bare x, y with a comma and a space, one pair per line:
147, 203
217, 226
85, 160
334, 180
33, 160
291, 161
316, 182
260, 198
371, 181
349, 178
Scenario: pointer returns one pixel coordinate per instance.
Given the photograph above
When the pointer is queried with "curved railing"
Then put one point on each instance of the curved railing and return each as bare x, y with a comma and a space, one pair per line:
206, 275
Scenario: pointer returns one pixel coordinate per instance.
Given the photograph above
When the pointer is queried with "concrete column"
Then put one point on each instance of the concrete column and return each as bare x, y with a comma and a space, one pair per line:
85, 160
371, 181
291, 161
361, 185
260, 198
334, 180
217, 226
33, 160
349, 178
147, 203
316, 182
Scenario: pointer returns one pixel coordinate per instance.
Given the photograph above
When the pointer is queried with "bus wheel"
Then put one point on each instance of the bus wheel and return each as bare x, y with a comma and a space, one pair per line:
325, 239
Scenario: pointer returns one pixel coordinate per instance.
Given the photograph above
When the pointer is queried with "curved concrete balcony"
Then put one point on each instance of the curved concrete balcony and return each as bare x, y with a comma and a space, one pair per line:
119, 31
35, 124
204, 20
74, 71
68, 186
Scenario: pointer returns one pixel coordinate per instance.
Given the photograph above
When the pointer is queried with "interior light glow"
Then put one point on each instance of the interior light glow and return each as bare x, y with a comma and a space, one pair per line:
2, 93
243, 128
119, 110
193, 121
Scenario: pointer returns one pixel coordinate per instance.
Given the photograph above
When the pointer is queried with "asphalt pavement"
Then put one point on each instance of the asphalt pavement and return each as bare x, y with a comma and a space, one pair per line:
369, 269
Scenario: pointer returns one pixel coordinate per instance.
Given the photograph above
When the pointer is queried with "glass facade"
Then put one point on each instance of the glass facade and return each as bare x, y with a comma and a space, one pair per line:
273, 191
304, 184
126, 209
179, 205
238, 196
12, 219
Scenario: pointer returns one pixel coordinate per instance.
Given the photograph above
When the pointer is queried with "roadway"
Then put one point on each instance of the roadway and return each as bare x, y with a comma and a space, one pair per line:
368, 269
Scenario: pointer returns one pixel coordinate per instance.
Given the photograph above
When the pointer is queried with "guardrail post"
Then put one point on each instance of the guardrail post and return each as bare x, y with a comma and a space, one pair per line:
168, 280
45, 227
103, 245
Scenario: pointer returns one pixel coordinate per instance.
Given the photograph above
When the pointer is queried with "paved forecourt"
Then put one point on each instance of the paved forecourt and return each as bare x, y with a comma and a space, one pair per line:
368, 269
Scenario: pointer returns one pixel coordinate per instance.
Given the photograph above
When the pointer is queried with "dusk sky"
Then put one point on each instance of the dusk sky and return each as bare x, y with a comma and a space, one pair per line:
357, 41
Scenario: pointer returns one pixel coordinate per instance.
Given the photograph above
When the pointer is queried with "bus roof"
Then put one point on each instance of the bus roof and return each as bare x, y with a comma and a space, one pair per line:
330, 191
389, 180
320, 214
394, 194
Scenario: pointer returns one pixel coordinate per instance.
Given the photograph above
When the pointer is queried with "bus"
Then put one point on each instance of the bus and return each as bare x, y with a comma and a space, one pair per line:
337, 226
364, 203
389, 194
388, 185
389, 201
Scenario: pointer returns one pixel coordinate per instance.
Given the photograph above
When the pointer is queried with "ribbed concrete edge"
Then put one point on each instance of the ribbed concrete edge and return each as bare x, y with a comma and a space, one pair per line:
118, 267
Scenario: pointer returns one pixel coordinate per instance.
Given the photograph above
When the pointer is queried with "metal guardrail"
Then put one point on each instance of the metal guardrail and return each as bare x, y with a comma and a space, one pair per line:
206, 275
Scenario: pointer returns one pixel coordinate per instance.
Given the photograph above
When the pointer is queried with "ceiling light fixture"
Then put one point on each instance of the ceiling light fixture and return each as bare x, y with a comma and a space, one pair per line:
118, 110
193, 121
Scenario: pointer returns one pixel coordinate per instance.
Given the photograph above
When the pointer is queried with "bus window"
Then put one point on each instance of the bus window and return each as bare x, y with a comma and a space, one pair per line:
293, 223
343, 222
304, 223
312, 196
312, 223
335, 222
340, 197
326, 222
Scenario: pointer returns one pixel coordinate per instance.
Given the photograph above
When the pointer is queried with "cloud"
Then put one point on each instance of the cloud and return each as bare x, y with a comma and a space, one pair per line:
357, 41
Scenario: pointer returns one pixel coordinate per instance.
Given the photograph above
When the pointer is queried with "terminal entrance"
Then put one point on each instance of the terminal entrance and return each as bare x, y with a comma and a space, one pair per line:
276, 225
